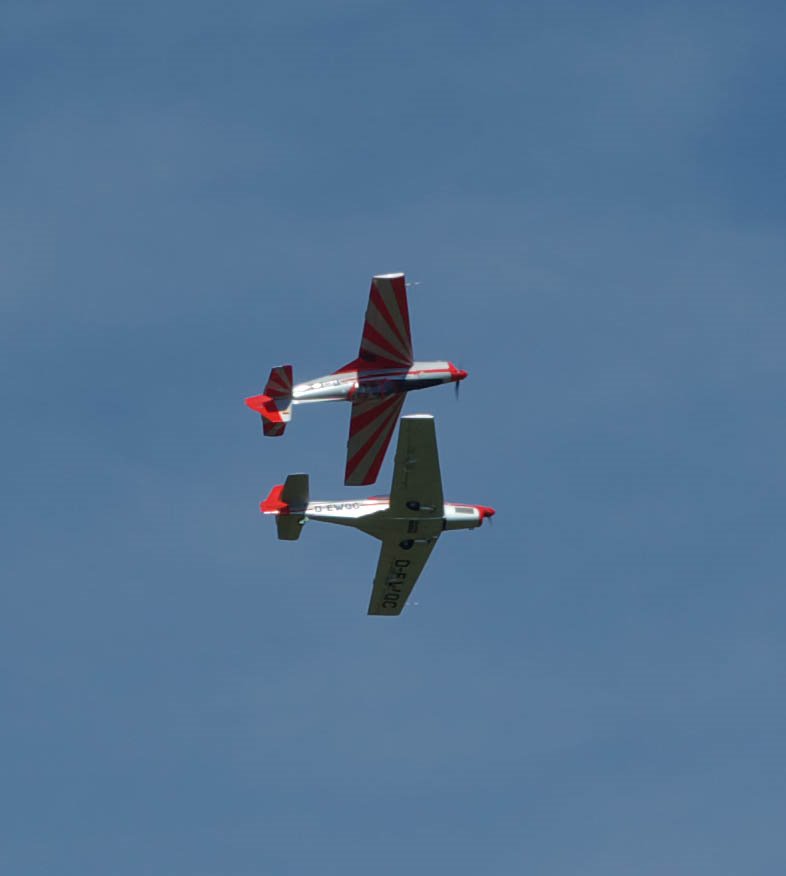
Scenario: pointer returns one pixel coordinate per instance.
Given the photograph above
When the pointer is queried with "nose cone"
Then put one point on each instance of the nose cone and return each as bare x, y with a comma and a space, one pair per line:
457, 374
485, 512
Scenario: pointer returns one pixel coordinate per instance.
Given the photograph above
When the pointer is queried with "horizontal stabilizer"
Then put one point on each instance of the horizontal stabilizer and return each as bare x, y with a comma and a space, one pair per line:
295, 492
274, 405
279, 384
288, 502
273, 430
289, 528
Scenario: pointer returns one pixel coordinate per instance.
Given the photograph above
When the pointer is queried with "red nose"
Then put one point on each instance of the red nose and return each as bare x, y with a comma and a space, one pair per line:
485, 511
459, 374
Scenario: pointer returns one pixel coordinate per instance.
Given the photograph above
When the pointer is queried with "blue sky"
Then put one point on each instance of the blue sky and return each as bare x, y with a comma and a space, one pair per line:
592, 197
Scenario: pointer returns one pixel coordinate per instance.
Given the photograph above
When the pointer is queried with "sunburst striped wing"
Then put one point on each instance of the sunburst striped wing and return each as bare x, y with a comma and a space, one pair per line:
387, 341
397, 571
370, 430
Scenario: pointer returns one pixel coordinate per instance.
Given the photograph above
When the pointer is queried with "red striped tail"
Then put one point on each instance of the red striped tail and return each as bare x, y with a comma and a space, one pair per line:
279, 384
274, 405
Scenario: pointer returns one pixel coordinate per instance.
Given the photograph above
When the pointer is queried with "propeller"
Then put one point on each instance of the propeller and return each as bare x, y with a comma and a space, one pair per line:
461, 374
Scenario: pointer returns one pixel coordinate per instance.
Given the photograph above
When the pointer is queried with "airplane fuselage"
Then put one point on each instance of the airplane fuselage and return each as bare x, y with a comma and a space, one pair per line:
373, 516
353, 385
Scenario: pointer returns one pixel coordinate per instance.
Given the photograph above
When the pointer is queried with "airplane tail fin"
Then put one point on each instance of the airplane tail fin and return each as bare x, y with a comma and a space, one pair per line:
288, 502
275, 404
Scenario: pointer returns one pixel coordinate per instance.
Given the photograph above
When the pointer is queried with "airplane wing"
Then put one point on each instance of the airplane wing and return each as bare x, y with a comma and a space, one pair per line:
415, 496
417, 484
386, 342
397, 571
370, 429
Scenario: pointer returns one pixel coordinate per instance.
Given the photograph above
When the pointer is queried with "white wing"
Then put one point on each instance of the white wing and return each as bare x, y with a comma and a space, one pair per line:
417, 482
415, 515
397, 571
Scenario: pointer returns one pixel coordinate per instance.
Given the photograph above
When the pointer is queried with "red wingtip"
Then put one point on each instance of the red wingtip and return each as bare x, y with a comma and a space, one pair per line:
274, 504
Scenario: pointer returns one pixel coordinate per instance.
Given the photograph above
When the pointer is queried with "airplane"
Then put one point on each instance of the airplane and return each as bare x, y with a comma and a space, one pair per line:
408, 522
376, 382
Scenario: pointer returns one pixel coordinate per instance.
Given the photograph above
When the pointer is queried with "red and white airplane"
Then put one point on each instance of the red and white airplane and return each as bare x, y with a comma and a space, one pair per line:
408, 522
376, 382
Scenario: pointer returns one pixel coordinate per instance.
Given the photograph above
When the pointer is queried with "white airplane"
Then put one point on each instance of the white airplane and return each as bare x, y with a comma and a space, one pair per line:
408, 522
376, 382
